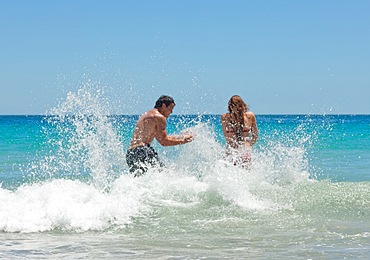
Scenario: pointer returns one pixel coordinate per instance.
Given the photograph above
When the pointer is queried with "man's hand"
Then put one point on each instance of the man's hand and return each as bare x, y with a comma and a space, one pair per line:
187, 138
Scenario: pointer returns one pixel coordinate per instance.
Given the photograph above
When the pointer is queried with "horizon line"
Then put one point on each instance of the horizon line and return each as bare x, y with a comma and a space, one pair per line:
275, 114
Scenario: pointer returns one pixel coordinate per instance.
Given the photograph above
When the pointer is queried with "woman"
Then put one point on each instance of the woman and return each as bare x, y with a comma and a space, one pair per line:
239, 127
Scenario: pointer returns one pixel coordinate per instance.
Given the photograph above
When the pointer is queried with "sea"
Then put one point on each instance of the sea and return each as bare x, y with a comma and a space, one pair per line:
65, 190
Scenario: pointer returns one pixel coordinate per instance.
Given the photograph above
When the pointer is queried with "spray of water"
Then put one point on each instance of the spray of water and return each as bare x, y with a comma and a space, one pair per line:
83, 140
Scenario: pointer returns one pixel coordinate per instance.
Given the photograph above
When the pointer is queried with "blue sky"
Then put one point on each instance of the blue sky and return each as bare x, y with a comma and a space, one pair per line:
282, 57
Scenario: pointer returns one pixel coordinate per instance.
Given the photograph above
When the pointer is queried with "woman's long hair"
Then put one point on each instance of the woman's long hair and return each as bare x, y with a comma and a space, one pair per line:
237, 108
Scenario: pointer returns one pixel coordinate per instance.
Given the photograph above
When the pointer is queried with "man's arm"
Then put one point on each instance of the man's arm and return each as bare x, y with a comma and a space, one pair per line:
167, 140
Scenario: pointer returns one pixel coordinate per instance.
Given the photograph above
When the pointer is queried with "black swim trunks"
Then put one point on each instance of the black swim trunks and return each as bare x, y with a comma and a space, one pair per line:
140, 158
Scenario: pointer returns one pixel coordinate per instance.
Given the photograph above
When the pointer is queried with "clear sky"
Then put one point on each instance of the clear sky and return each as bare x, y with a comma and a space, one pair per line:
282, 57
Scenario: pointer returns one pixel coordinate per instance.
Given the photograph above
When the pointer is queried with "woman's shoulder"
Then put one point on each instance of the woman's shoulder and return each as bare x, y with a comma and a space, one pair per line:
225, 118
226, 115
250, 114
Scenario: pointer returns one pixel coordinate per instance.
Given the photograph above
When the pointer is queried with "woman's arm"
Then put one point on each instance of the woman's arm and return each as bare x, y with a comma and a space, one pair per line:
254, 129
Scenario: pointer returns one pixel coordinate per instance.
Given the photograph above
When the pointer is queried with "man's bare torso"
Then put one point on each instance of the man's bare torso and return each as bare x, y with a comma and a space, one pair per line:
146, 128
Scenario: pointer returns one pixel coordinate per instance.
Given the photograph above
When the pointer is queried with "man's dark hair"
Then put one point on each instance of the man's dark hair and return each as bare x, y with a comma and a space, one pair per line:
167, 100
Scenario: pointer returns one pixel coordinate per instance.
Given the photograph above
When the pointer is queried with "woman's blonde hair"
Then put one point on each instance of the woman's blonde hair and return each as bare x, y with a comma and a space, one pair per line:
237, 107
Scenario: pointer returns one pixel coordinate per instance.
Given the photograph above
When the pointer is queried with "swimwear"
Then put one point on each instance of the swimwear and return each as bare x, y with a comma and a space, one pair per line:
242, 159
241, 156
140, 158
232, 131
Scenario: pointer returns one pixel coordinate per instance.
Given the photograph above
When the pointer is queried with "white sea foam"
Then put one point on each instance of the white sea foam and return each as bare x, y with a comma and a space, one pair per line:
85, 142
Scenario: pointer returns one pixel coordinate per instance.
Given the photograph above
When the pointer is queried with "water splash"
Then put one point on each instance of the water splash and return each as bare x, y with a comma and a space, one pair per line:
83, 139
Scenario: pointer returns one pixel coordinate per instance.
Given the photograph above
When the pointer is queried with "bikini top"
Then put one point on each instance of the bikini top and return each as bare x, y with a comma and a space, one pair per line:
232, 130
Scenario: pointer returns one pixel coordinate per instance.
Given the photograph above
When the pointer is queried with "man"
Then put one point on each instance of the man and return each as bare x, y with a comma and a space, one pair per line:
152, 124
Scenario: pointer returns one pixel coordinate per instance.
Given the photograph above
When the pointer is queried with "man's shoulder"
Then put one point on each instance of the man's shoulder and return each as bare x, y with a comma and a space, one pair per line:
154, 115
151, 113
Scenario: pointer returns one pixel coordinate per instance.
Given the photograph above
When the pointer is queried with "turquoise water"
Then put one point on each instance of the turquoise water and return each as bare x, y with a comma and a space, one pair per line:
65, 191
